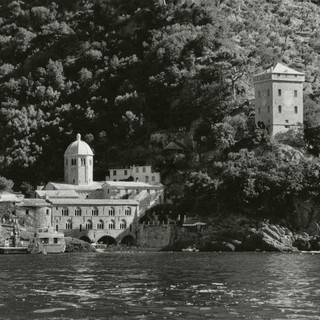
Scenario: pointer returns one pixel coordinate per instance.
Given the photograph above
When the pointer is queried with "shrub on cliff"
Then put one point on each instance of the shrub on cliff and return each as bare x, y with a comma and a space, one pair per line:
247, 183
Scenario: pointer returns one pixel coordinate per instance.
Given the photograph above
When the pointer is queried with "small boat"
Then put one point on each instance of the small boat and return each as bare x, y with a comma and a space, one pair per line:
13, 250
47, 241
191, 249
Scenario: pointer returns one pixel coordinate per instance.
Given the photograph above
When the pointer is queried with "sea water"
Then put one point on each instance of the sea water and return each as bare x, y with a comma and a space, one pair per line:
159, 285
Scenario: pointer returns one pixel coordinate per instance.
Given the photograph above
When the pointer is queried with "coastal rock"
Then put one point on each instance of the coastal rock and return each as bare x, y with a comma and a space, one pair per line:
218, 246
261, 241
77, 245
315, 244
302, 244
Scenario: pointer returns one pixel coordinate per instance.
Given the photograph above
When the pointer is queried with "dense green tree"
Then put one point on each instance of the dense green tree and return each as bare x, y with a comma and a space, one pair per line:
117, 71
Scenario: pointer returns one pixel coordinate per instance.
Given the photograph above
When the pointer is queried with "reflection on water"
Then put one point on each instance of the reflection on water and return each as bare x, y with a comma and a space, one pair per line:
160, 286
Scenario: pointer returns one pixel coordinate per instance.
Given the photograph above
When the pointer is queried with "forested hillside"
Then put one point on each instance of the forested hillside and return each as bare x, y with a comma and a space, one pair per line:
118, 71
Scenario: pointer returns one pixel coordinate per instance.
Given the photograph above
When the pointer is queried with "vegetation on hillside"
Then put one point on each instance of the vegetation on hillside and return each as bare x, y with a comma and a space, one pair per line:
119, 71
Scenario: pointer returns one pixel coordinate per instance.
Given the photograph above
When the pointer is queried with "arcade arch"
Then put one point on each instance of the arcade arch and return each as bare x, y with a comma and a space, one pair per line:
128, 240
107, 240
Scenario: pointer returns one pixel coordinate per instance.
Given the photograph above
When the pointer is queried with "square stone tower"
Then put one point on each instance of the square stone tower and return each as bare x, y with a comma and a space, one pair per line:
279, 99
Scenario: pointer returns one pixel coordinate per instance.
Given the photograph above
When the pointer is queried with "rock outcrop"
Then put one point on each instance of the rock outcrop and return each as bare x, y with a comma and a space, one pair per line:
76, 245
242, 234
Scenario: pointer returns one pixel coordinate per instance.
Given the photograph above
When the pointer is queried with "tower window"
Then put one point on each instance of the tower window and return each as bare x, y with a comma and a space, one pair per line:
295, 93
268, 92
66, 162
259, 110
268, 108
114, 172
259, 94
279, 92
279, 109
295, 109
83, 161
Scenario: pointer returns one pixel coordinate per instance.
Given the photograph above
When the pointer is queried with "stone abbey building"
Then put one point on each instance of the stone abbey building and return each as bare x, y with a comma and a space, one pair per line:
96, 211
279, 99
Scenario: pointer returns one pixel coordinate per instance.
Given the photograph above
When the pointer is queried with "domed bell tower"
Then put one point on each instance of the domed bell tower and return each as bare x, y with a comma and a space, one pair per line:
78, 163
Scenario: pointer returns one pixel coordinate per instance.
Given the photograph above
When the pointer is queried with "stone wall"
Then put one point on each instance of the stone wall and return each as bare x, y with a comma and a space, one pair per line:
155, 235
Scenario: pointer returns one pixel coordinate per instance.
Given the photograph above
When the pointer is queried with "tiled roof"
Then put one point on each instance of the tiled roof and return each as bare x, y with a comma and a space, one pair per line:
93, 202
57, 193
280, 68
85, 187
131, 184
32, 202
6, 196
174, 146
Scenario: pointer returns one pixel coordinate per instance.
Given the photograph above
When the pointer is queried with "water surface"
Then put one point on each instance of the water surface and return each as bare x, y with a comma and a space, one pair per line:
159, 285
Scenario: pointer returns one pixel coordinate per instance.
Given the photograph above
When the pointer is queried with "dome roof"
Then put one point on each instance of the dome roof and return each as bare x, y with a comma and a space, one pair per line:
78, 147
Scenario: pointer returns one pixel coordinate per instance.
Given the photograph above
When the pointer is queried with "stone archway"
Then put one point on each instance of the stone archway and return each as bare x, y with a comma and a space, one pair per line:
85, 238
128, 241
107, 240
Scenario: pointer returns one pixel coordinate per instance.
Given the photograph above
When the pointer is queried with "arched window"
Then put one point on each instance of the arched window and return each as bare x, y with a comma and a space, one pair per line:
95, 212
69, 224
100, 225
65, 212
127, 211
112, 224
89, 224
111, 211
77, 212
123, 224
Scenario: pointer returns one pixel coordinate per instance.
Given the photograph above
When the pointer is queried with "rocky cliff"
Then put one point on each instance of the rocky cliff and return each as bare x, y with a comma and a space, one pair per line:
243, 234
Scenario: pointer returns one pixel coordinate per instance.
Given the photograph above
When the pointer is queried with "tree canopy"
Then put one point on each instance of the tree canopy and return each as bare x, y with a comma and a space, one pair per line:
119, 71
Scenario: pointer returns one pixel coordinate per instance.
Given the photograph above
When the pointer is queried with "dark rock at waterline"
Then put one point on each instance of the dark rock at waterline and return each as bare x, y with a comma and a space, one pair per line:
77, 245
261, 241
302, 244
315, 243
219, 246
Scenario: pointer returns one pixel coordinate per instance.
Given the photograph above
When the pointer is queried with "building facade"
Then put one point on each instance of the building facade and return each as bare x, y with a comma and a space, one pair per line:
34, 212
95, 219
279, 99
135, 173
